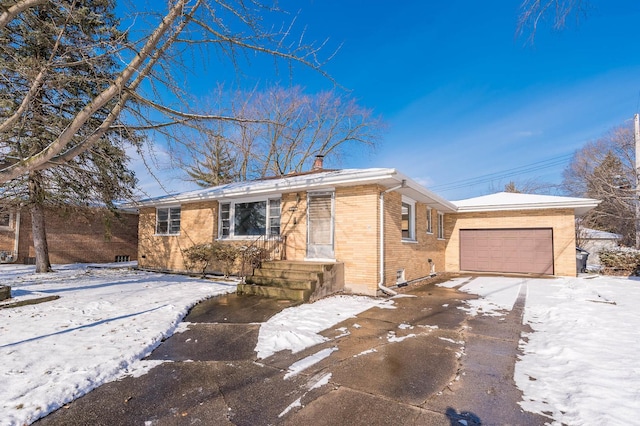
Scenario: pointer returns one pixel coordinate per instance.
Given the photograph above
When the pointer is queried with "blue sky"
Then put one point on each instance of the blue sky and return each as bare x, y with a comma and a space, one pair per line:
463, 96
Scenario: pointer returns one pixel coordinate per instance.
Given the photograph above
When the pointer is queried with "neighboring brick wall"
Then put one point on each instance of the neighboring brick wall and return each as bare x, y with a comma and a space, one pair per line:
562, 221
88, 236
7, 235
198, 224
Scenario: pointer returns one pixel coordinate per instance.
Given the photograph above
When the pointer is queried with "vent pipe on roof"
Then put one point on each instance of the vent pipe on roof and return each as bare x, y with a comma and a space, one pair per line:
318, 163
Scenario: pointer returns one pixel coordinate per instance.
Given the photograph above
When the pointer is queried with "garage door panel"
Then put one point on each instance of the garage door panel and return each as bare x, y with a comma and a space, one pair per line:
507, 250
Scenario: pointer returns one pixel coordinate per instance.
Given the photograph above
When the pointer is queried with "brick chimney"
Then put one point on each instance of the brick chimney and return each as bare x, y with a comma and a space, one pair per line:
317, 163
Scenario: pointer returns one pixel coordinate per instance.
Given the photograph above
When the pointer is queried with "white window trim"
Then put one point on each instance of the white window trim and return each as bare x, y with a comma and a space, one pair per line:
232, 211
429, 220
168, 234
441, 226
412, 219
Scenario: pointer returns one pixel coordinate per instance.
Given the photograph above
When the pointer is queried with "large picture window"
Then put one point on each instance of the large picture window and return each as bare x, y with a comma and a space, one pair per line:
250, 218
168, 221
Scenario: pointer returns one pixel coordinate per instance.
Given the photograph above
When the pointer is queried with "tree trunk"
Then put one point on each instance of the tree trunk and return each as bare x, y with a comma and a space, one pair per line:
38, 227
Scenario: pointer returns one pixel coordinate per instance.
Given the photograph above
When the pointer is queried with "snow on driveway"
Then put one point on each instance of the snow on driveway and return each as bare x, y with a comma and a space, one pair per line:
580, 363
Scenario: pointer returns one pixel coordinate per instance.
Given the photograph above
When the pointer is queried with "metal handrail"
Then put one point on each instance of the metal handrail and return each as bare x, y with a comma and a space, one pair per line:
265, 247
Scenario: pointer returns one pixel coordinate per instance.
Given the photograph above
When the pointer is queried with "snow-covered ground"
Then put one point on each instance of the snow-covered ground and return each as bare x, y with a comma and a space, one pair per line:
579, 365
104, 322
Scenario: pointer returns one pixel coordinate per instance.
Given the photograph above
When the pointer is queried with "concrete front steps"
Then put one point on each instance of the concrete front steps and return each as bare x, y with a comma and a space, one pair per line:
294, 280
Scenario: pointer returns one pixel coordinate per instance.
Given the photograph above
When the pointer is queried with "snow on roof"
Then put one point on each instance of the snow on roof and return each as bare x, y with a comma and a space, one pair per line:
596, 234
517, 201
325, 179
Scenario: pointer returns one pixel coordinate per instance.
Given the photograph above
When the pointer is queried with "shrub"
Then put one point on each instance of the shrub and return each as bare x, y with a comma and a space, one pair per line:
201, 256
226, 254
620, 260
198, 256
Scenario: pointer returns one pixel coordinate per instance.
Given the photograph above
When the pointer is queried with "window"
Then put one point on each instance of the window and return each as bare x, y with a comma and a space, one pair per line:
5, 218
408, 219
168, 221
250, 218
429, 221
225, 219
274, 217
440, 226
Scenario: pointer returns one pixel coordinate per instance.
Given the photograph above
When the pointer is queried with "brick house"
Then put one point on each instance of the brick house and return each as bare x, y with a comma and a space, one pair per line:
89, 236
381, 227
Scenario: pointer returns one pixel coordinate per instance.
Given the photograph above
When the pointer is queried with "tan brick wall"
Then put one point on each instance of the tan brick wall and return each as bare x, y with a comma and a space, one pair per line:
562, 222
73, 236
293, 224
198, 224
356, 237
412, 256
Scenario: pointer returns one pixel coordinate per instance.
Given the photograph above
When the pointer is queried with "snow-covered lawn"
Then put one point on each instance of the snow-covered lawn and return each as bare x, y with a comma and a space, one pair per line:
104, 322
579, 365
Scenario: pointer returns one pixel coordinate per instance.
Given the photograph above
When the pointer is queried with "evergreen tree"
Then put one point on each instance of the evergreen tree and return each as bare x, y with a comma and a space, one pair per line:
213, 165
67, 42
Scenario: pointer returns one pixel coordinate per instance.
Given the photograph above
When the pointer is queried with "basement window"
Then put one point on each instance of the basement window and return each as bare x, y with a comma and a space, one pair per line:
5, 218
400, 277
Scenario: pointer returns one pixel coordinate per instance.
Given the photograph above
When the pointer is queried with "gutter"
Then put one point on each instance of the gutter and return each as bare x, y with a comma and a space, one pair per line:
385, 290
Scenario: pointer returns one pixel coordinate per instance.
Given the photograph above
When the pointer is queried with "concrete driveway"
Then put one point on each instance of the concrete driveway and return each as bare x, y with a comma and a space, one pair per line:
454, 370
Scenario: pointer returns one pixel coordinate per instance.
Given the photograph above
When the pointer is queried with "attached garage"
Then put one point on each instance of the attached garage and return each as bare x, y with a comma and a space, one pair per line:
507, 250
514, 233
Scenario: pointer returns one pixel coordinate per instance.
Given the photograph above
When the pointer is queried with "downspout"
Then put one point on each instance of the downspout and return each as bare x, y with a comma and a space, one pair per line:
385, 290
17, 237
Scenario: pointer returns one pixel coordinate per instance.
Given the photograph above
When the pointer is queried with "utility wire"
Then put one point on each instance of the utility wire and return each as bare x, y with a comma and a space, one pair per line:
528, 168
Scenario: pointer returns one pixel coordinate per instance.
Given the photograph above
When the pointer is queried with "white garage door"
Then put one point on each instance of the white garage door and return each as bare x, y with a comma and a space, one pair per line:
507, 250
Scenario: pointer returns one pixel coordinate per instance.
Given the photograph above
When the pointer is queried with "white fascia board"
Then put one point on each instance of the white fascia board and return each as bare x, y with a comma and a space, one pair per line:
419, 193
579, 206
315, 181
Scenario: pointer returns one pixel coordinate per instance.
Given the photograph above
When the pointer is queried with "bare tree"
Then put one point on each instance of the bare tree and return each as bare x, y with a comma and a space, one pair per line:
534, 12
280, 131
150, 61
97, 174
525, 186
605, 169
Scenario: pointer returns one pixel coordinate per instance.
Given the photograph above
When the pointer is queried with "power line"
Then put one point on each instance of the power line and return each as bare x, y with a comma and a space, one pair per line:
528, 168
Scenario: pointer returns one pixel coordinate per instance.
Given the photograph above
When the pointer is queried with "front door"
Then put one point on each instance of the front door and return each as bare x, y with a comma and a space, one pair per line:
320, 224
